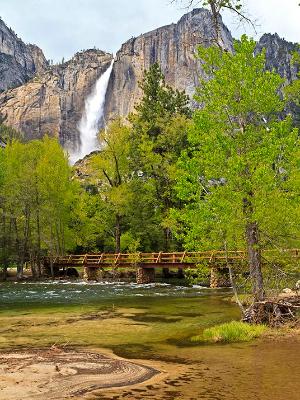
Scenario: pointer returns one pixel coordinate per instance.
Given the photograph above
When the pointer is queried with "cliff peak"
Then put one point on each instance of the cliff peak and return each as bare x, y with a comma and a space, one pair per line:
173, 47
18, 61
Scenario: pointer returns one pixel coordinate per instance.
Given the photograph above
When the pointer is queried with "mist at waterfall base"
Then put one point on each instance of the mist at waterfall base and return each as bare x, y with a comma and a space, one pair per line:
93, 113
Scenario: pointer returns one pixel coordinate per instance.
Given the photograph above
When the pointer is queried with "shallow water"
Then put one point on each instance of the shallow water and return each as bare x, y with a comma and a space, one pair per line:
151, 322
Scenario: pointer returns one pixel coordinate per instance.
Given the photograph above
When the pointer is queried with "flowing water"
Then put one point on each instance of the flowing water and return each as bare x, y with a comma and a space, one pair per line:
153, 323
93, 114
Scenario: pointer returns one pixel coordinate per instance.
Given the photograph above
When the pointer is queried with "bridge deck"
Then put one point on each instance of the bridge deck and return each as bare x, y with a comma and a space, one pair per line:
160, 259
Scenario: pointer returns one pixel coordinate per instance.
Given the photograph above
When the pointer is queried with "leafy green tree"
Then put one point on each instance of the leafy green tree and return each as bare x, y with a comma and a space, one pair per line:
239, 178
3, 216
37, 197
158, 135
58, 198
112, 175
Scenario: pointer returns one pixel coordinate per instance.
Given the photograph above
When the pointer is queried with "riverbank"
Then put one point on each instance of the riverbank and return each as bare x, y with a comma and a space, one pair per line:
240, 372
56, 373
151, 326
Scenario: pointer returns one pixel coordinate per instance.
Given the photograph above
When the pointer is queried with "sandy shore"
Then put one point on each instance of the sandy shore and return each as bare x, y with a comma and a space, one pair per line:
57, 374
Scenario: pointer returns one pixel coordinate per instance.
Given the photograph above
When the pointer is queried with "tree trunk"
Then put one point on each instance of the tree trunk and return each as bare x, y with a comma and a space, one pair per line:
18, 248
118, 234
216, 23
38, 229
33, 266
232, 281
20, 267
4, 246
4, 272
254, 256
166, 239
51, 267
51, 254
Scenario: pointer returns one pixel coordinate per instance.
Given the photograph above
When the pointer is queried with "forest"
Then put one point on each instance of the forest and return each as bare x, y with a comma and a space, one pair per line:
221, 175
225, 176
150, 205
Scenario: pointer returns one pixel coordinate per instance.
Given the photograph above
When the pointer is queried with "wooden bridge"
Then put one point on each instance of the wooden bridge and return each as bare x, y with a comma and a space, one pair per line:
146, 263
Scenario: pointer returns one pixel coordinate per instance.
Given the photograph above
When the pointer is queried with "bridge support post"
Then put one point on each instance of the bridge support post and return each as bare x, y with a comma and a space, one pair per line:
166, 273
145, 275
219, 277
91, 274
180, 273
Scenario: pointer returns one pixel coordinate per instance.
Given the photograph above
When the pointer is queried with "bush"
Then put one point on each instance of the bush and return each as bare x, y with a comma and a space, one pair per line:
231, 332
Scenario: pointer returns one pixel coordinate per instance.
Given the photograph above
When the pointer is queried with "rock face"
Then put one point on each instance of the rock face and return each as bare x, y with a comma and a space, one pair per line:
53, 101
173, 47
278, 55
18, 61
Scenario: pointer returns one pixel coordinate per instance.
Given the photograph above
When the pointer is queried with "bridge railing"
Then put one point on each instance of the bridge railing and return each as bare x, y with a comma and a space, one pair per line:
172, 258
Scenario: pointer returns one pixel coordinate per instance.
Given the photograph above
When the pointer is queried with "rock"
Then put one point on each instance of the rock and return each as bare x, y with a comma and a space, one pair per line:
278, 55
53, 101
173, 47
287, 291
19, 62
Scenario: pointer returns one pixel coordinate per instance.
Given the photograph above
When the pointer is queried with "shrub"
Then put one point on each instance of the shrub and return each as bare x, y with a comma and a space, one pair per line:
231, 332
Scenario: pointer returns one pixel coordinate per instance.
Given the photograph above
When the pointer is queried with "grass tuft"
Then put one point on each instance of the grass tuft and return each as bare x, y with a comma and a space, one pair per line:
231, 332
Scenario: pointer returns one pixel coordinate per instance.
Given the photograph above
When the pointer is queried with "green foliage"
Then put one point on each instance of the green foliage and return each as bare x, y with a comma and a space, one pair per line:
109, 172
159, 102
232, 332
242, 165
130, 183
37, 202
158, 134
237, 150
198, 276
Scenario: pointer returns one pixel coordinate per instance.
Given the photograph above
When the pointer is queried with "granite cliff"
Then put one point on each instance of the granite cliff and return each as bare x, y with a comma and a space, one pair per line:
53, 100
173, 47
19, 62
278, 55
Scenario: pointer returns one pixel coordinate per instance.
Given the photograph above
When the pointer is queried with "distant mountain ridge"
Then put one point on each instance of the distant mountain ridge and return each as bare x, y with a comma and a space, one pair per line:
50, 99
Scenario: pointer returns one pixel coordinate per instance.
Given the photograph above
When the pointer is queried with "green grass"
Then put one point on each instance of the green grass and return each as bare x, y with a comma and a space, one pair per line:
231, 332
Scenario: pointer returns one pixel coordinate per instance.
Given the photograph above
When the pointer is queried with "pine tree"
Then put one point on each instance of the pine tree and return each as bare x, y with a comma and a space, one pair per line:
158, 135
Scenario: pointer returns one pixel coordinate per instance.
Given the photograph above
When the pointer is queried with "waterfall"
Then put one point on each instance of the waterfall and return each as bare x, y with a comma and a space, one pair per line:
93, 113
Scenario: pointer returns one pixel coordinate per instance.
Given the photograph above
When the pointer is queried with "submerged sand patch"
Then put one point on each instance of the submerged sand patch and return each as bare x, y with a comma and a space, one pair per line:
59, 374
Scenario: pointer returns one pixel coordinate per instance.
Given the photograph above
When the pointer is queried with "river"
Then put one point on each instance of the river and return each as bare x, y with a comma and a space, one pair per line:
151, 323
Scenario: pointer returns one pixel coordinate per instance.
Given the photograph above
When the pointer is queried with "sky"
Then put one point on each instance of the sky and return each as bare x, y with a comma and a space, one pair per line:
63, 27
